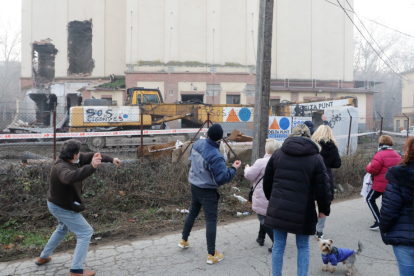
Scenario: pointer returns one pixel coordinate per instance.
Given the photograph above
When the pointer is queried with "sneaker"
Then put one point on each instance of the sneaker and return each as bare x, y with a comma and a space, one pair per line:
375, 226
184, 244
319, 235
260, 241
214, 259
270, 249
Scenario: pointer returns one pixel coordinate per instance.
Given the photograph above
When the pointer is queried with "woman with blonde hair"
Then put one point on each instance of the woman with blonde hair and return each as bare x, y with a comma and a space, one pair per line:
324, 137
255, 173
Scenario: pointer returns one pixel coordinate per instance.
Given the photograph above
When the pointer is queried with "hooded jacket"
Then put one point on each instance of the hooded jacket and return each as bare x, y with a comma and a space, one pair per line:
382, 160
208, 168
396, 226
294, 178
66, 181
332, 160
255, 173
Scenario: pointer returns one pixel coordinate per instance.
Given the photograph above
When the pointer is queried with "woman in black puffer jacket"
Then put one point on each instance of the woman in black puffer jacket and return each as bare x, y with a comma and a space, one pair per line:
325, 138
397, 211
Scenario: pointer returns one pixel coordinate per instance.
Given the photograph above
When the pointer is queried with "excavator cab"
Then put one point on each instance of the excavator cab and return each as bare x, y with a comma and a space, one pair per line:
140, 95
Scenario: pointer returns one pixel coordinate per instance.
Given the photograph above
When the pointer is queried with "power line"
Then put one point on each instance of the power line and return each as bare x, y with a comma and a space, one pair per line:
372, 20
368, 42
379, 47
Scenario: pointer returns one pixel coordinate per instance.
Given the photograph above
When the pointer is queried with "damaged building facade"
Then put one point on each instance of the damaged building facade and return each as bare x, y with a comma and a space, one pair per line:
204, 50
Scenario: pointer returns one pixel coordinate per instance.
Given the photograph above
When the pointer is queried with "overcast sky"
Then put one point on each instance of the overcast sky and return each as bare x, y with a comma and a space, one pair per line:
398, 14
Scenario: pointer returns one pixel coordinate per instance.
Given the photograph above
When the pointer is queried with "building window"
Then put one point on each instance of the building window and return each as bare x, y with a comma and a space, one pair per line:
108, 98
398, 125
80, 48
233, 99
273, 103
405, 124
313, 98
192, 98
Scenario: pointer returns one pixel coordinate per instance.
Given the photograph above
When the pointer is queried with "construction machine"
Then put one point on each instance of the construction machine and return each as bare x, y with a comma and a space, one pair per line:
146, 108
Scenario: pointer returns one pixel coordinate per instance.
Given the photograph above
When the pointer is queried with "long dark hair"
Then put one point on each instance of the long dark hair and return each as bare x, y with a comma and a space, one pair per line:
409, 152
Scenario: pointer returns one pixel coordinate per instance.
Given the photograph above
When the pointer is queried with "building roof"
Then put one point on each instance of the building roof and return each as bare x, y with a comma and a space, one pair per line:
406, 114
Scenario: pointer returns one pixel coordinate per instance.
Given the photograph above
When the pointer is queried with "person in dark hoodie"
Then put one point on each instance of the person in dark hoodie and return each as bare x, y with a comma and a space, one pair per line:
295, 177
64, 200
397, 211
324, 137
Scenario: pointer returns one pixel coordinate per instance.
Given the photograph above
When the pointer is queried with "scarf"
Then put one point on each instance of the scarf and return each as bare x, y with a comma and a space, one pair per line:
384, 147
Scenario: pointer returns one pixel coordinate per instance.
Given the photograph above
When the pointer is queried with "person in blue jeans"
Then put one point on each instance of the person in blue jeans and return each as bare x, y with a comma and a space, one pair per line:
64, 199
207, 173
295, 177
397, 211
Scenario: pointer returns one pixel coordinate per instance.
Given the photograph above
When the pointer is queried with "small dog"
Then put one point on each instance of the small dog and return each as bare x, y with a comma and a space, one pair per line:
333, 255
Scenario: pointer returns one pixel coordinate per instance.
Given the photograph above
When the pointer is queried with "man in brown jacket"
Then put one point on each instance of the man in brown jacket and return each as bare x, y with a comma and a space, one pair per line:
65, 201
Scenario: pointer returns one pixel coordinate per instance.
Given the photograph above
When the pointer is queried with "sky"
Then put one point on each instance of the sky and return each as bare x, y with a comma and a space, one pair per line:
397, 14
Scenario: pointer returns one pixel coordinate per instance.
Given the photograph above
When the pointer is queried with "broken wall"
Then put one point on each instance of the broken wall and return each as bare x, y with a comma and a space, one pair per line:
43, 63
80, 48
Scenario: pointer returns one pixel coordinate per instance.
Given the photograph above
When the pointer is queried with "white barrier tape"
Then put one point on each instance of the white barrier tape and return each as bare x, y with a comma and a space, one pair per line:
355, 135
99, 134
398, 134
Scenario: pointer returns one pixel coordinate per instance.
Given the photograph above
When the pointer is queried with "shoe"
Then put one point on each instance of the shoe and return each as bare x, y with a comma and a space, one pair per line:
85, 273
214, 259
270, 249
41, 261
260, 241
184, 244
375, 226
319, 235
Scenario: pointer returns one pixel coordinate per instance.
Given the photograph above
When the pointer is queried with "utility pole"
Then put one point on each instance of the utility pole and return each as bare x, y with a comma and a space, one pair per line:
263, 68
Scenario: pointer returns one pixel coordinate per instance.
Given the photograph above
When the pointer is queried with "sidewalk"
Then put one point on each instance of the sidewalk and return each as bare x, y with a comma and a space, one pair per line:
349, 223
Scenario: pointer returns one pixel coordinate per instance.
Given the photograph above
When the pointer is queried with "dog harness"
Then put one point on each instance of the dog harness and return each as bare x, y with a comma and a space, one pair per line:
337, 255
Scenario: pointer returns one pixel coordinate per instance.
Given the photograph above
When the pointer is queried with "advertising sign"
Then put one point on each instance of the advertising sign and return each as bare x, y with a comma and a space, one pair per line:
110, 114
279, 128
300, 120
237, 114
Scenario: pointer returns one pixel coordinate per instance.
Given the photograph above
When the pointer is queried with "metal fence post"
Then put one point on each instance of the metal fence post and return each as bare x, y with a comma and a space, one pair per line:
54, 133
382, 120
142, 132
349, 133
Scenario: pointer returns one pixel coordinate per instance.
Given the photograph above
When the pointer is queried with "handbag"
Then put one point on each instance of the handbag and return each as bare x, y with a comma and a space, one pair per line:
366, 186
252, 190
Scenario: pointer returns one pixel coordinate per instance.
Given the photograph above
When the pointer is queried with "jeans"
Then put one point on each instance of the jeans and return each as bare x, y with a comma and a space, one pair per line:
279, 244
208, 199
321, 225
405, 259
371, 197
75, 222
263, 230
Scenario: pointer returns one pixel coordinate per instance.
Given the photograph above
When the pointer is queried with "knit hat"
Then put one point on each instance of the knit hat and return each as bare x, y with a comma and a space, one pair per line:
215, 132
300, 130
311, 126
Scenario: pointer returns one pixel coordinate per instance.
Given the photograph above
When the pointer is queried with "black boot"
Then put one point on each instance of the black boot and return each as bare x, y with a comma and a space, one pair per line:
262, 234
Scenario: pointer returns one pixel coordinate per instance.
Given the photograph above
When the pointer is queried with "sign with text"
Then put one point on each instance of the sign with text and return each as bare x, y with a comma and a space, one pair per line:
279, 128
300, 120
110, 114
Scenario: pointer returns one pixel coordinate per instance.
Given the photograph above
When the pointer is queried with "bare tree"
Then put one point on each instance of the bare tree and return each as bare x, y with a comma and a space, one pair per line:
394, 53
9, 65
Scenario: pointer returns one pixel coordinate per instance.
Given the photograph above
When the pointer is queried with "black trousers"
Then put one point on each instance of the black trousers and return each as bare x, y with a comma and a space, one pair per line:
263, 230
208, 199
371, 197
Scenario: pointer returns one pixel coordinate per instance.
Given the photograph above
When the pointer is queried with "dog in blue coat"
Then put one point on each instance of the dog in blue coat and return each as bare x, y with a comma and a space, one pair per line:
335, 255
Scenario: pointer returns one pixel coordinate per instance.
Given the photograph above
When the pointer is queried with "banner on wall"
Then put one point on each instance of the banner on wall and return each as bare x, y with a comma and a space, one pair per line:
300, 120
279, 128
237, 114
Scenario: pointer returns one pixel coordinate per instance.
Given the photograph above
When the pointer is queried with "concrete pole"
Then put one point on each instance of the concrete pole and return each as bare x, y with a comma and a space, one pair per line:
263, 70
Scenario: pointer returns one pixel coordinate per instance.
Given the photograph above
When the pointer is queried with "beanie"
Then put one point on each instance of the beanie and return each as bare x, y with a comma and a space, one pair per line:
311, 126
215, 132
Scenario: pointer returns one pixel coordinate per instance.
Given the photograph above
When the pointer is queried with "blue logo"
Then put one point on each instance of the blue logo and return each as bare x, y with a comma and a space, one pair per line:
245, 114
284, 123
125, 116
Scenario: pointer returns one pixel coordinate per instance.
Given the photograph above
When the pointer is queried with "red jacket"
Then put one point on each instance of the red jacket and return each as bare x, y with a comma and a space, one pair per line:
379, 166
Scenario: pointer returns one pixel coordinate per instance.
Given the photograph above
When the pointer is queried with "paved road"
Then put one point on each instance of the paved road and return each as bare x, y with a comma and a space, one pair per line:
160, 255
